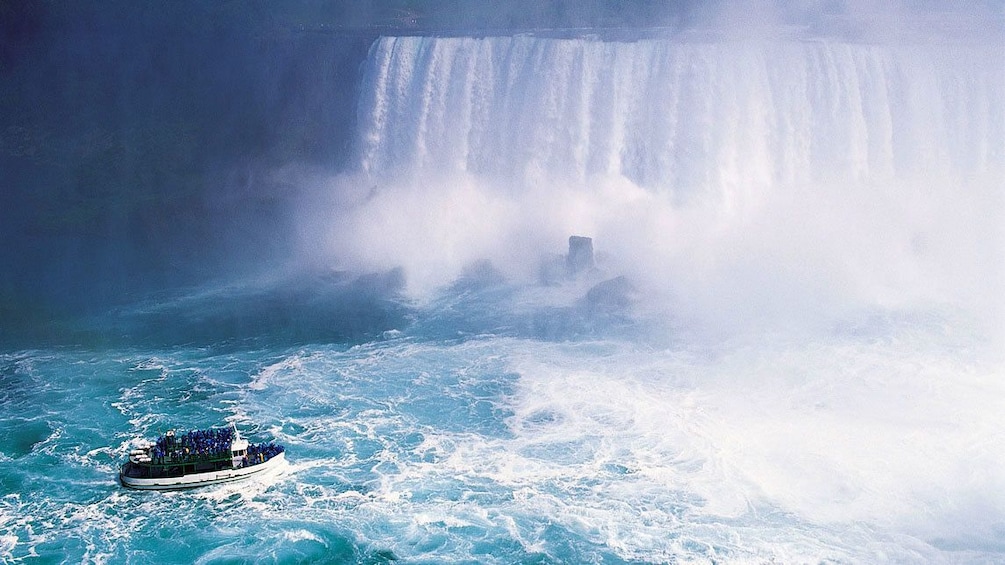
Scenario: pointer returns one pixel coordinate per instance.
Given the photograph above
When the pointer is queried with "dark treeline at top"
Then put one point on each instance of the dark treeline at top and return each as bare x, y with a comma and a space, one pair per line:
263, 16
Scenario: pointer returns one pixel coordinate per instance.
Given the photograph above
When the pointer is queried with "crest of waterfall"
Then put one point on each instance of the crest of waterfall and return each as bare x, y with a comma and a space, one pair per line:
678, 117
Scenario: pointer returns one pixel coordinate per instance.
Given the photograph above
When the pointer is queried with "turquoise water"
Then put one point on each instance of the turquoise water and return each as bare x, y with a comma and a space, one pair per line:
509, 449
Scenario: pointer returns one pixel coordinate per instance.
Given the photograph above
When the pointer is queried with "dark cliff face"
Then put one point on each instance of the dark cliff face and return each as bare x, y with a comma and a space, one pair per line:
135, 146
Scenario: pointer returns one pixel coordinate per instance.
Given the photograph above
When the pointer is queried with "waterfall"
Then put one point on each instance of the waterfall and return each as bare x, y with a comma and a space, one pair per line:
681, 117
794, 167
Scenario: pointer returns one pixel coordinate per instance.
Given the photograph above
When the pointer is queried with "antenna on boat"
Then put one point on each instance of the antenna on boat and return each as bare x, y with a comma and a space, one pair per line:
237, 434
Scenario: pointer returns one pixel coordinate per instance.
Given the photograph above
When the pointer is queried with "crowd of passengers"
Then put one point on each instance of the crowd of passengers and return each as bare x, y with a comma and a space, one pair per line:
260, 453
213, 443
194, 445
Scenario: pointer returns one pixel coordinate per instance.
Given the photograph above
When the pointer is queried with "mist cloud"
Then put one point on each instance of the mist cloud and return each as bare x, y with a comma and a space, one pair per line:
784, 181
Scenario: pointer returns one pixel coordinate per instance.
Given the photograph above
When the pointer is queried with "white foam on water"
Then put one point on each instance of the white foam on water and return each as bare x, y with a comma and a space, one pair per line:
826, 434
7, 543
260, 380
814, 450
867, 444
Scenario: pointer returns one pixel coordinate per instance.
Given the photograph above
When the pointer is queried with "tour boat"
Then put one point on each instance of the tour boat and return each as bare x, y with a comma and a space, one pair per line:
197, 458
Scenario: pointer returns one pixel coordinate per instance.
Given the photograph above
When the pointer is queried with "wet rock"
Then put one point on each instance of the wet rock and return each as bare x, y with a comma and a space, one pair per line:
580, 257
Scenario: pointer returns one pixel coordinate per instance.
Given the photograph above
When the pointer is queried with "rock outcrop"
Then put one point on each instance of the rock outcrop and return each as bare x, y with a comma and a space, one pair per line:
580, 257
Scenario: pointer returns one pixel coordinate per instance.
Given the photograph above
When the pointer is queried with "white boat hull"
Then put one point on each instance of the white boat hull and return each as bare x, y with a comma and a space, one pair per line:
204, 479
